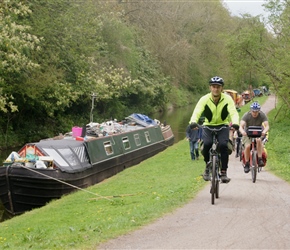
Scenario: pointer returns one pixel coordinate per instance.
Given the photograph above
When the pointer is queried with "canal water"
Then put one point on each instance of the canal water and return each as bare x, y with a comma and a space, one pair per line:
178, 119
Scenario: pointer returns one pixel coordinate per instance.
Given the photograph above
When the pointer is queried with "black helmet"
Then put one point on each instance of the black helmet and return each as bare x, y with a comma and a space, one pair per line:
216, 80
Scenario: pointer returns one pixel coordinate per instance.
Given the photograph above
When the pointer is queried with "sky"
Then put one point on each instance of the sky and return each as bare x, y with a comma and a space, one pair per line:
253, 7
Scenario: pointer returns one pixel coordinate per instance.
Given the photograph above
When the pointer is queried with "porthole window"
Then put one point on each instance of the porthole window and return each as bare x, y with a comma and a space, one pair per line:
137, 139
108, 148
147, 136
126, 142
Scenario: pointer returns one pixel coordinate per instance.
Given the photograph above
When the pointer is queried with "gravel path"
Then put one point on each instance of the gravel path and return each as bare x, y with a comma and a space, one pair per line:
246, 216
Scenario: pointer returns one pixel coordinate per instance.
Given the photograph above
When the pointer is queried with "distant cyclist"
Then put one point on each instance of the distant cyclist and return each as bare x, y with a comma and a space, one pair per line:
254, 117
217, 108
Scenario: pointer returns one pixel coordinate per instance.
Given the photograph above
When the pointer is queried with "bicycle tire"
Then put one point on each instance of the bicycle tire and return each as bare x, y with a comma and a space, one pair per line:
241, 151
217, 192
254, 166
213, 179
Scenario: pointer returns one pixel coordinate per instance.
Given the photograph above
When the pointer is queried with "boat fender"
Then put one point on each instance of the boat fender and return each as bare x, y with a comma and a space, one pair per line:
29, 164
13, 156
40, 164
157, 121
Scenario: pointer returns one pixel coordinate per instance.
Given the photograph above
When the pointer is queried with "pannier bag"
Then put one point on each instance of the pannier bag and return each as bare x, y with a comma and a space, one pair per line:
254, 131
264, 157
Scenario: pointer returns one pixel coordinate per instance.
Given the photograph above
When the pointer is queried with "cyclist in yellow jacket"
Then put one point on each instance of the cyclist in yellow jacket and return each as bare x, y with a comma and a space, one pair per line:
218, 109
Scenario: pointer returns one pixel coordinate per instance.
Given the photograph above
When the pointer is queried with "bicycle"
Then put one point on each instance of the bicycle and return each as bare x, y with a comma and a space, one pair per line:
241, 149
254, 132
214, 164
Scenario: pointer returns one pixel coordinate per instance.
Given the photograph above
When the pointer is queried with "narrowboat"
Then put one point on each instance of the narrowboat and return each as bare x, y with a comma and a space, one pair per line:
42, 171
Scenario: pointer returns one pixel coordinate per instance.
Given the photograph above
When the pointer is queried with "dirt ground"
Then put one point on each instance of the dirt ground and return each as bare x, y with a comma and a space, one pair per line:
246, 216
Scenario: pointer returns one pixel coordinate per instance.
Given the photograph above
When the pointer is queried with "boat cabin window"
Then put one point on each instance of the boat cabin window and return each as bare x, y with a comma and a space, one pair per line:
108, 148
126, 142
137, 139
147, 136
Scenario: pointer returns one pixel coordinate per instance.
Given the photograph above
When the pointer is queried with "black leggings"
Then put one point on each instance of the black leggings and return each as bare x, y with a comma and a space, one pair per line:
238, 141
223, 138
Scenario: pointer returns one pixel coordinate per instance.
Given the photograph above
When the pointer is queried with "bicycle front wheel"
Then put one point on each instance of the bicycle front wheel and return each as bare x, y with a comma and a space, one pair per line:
254, 166
217, 182
213, 179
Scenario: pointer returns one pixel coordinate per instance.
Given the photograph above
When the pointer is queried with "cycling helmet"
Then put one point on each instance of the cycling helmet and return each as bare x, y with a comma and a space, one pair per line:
255, 106
216, 80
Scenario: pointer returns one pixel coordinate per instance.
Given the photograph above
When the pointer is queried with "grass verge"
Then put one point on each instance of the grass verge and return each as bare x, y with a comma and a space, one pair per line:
133, 198
278, 146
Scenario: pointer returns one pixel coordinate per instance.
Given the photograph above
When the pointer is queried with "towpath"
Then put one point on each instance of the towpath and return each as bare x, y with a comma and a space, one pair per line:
246, 216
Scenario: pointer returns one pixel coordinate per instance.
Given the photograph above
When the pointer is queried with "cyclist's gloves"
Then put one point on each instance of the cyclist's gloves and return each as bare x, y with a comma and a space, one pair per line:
193, 125
236, 126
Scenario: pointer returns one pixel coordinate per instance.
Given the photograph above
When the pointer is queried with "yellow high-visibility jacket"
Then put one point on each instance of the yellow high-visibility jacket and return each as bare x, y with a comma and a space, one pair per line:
222, 113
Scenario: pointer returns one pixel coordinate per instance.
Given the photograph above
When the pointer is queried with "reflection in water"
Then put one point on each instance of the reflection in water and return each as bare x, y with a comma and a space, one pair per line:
178, 119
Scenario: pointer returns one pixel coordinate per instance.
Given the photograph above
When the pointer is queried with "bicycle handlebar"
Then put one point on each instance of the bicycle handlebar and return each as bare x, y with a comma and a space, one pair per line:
215, 129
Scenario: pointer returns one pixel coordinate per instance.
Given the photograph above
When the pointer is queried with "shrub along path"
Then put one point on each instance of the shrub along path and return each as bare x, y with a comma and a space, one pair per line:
246, 216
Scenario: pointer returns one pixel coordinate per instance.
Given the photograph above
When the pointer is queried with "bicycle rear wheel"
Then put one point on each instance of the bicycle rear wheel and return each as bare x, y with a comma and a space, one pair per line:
213, 179
241, 148
217, 188
254, 166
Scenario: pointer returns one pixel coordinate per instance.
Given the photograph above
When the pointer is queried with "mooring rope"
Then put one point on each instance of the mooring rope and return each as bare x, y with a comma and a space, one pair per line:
68, 184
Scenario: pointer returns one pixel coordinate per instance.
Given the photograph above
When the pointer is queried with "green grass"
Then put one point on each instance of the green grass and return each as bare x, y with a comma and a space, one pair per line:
278, 146
123, 203
129, 200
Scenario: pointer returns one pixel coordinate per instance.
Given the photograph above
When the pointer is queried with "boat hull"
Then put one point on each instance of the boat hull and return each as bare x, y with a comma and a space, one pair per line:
23, 188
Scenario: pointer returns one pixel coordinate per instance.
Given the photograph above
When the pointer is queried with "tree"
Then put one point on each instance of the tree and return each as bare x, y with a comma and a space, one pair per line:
277, 67
16, 44
246, 45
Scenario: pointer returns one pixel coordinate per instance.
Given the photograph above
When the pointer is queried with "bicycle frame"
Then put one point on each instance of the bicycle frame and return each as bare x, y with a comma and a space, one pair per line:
215, 164
254, 159
254, 132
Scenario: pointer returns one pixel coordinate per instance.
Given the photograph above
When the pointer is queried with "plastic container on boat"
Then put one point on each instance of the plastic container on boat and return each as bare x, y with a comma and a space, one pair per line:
76, 131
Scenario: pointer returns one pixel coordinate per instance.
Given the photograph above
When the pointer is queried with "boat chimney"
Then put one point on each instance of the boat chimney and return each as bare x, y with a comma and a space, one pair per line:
93, 101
